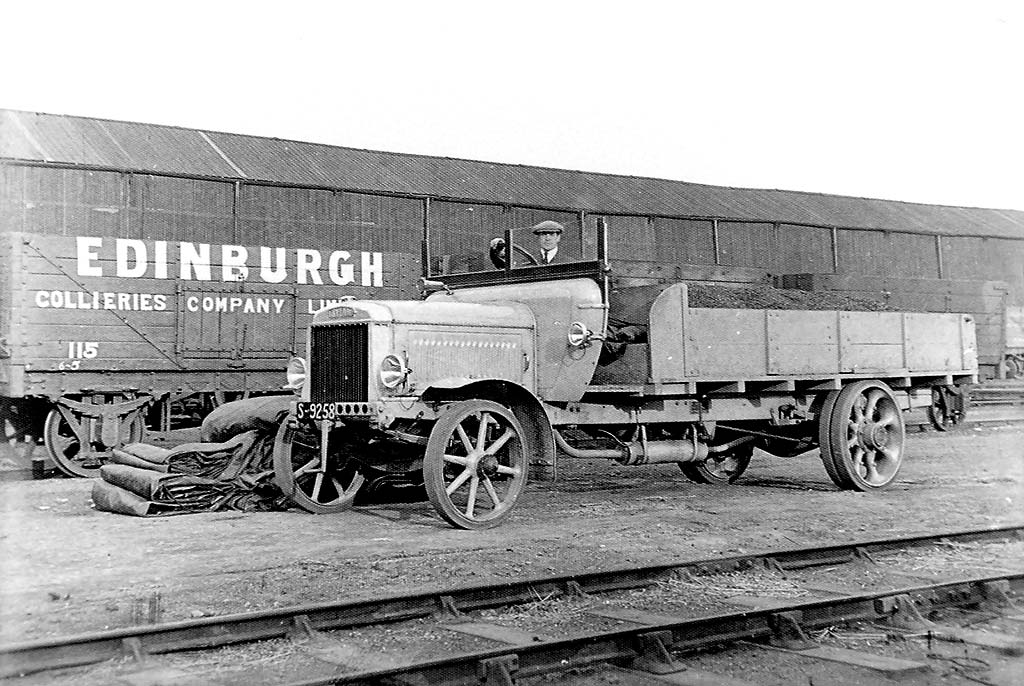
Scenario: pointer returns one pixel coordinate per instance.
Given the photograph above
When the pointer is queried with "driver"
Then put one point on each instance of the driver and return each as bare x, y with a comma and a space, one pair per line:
549, 234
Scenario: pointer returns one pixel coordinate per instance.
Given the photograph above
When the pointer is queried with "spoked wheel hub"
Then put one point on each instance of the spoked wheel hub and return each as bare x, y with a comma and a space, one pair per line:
877, 437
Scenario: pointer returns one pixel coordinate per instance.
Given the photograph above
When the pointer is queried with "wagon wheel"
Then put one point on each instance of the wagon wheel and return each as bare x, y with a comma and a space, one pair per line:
865, 436
942, 413
475, 467
307, 469
74, 442
719, 468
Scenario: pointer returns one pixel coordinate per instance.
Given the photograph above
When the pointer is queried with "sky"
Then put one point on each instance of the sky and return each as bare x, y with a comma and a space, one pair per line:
915, 101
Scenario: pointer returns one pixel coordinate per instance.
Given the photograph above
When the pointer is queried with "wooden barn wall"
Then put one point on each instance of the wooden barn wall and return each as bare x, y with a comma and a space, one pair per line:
988, 258
64, 202
274, 215
171, 209
59, 201
685, 241
632, 238
887, 253
745, 244
456, 225
800, 249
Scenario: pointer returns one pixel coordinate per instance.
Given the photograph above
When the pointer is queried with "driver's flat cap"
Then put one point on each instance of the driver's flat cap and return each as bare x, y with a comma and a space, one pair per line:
548, 226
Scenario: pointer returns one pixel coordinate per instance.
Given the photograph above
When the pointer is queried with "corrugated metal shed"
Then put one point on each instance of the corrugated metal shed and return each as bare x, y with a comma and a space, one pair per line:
154, 148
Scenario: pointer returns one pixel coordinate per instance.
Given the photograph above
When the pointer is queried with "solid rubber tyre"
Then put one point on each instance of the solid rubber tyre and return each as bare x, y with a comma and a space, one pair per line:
719, 468
866, 436
824, 450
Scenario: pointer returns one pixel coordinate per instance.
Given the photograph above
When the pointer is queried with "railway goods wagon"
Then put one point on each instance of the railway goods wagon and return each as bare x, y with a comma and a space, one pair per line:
1013, 342
498, 374
99, 334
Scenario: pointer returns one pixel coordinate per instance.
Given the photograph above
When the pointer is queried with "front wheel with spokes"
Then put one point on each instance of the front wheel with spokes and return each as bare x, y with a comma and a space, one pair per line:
310, 468
475, 466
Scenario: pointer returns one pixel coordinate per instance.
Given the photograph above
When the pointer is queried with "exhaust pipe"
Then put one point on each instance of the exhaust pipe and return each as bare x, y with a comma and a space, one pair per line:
640, 452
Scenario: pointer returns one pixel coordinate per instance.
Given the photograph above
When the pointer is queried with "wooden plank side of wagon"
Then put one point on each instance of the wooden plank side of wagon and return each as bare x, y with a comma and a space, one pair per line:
802, 342
871, 342
933, 341
69, 322
736, 347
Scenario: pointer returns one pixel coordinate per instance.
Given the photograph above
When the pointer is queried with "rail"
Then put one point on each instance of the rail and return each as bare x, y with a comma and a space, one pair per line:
205, 633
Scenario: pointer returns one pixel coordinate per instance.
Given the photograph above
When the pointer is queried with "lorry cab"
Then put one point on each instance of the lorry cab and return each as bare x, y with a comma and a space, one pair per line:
568, 300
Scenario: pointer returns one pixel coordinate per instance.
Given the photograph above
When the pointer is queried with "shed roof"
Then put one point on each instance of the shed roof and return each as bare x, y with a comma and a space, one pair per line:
156, 148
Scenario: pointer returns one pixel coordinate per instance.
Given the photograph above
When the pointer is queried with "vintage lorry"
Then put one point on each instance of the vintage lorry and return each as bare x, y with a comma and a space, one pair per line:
496, 375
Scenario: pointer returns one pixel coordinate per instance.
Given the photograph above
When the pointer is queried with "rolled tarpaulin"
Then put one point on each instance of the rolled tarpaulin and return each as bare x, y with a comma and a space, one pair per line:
123, 457
110, 498
262, 414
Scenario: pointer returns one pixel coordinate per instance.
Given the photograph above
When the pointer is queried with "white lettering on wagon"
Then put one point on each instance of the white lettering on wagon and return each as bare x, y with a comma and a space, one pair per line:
134, 259
234, 303
101, 300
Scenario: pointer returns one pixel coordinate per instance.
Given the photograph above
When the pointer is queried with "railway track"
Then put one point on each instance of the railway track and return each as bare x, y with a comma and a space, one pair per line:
617, 619
989, 405
1006, 395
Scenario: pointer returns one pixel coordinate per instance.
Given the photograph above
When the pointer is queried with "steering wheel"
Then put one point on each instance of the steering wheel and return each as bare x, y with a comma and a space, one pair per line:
525, 253
498, 259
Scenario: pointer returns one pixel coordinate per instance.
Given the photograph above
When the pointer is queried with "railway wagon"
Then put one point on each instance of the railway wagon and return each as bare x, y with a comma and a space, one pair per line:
500, 373
100, 334
1013, 342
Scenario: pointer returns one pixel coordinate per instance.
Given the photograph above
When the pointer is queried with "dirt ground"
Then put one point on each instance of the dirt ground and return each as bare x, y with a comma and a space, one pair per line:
66, 568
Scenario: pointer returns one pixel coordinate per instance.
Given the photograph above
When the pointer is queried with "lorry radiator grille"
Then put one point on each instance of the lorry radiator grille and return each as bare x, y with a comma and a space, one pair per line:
338, 362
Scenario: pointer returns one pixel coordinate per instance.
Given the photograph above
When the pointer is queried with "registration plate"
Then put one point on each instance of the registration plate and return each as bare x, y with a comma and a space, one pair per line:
309, 412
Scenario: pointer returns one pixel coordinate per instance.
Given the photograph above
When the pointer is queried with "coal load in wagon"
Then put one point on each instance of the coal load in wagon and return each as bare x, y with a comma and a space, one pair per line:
629, 307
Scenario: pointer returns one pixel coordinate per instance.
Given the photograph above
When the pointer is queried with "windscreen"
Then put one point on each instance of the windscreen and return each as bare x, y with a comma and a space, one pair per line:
471, 238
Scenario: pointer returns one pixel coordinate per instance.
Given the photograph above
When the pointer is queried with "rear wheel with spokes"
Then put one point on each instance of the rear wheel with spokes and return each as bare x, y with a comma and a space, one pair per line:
719, 468
864, 436
947, 409
475, 465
